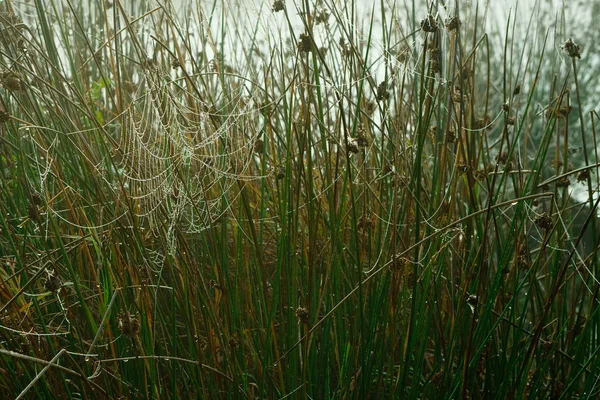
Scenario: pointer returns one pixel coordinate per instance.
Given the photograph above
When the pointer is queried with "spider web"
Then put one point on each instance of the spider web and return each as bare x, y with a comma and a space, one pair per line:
178, 162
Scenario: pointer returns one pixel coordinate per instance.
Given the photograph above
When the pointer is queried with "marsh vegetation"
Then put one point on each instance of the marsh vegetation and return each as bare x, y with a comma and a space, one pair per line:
323, 201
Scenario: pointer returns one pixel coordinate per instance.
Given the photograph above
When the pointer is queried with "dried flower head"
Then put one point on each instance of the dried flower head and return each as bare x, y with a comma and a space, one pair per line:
128, 324
382, 92
53, 282
450, 136
33, 212
429, 24
544, 221
365, 222
278, 5
563, 182
302, 314
453, 23
435, 60
352, 146
280, 173
483, 123
305, 43
259, 146
321, 16
480, 174
362, 140
572, 49
563, 111
11, 81
4, 116
583, 175
36, 197
398, 263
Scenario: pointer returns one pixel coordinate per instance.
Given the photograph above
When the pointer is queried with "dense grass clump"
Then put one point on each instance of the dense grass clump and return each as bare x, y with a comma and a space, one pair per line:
321, 200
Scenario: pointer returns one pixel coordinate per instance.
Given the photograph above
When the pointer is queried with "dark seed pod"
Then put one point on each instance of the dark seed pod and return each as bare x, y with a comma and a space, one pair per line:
352, 146
305, 43
34, 213
544, 221
382, 92
53, 282
453, 23
302, 314
280, 173
278, 6
128, 324
429, 24
583, 175
11, 81
563, 182
259, 146
572, 49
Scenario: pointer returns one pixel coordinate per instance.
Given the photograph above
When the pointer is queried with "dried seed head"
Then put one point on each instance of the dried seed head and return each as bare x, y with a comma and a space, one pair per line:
429, 24
563, 182
365, 222
450, 136
280, 173
233, 342
382, 92
583, 175
452, 23
346, 50
302, 314
34, 213
362, 140
11, 81
485, 122
259, 146
4, 117
517, 90
398, 263
563, 111
37, 198
544, 221
321, 16
436, 60
480, 174
128, 324
352, 146
457, 95
572, 49
278, 5
510, 120
305, 43
472, 300
53, 282
175, 63
370, 107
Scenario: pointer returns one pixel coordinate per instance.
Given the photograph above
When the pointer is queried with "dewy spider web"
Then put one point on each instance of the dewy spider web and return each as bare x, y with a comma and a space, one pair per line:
177, 163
